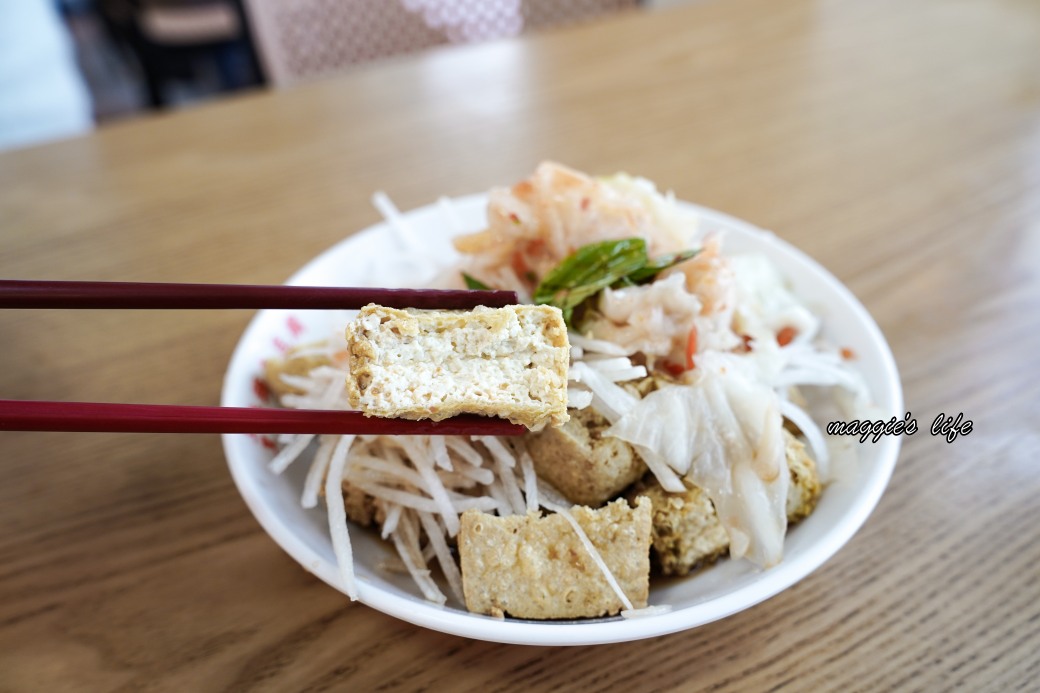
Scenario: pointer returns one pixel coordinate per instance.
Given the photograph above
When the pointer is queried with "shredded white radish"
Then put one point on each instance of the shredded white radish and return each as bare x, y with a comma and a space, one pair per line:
316, 471
498, 451
480, 475
655, 610
440, 452
616, 368
388, 471
331, 373
620, 376
610, 363
405, 236
608, 399
436, 489
820, 375
417, 502
503, 507
455, 480
393, 515
338, 525
463, 449
504, 464
435, 535
406, 541
597, 346
578, 398
668, 479
530, 480
300, 382
290, 452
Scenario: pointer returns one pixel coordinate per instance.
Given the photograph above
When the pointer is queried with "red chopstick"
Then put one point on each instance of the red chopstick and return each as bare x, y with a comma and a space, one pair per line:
129, 295
27, 415
31, 415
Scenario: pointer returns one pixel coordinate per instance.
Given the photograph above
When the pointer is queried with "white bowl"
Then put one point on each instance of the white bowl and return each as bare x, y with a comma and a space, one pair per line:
377, 256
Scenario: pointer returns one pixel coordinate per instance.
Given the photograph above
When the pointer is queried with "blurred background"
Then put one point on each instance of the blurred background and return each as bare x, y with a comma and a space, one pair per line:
68, 66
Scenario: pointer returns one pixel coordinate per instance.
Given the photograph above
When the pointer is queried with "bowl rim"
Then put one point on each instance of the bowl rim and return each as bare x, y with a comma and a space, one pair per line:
598, 631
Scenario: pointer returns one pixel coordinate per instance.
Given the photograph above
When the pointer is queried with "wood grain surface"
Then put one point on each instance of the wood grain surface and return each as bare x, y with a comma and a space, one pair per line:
896, 142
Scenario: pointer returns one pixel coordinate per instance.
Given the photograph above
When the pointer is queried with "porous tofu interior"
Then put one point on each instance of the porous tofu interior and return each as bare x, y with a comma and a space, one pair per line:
529, 566
510, 362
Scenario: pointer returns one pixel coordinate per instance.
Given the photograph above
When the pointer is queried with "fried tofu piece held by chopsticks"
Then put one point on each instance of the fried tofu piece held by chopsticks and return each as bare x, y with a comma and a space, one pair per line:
433, 364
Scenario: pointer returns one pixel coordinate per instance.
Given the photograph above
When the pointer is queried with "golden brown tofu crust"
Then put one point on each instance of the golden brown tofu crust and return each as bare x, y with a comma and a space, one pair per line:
362, 509
527, 566
805, 486
687, 533
586, 467
510, 362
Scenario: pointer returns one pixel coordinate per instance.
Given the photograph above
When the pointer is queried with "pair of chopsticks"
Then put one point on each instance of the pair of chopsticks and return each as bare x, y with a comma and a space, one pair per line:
29, 415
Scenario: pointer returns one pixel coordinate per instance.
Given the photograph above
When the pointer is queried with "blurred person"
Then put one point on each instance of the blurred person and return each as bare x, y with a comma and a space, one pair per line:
175, 41
42, 94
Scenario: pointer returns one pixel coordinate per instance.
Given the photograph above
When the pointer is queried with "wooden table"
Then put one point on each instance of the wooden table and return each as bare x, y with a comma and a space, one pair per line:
896, 142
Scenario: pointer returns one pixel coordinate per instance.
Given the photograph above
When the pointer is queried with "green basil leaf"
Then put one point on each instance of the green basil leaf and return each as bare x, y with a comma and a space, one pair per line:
588, 270
596, 266
659, 264
474, 283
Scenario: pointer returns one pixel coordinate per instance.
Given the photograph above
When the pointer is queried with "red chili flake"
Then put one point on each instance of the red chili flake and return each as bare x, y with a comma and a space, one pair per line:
674, 368
691, 348
260, 389
514, 218
295, 326
847, 353
519, 265
785, 335
265, 441
584, 203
